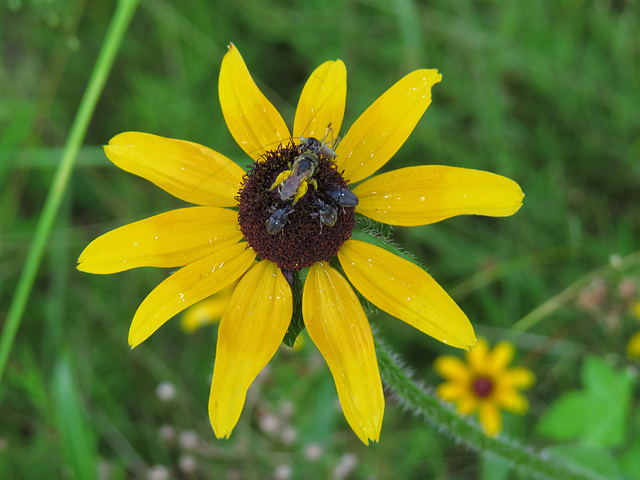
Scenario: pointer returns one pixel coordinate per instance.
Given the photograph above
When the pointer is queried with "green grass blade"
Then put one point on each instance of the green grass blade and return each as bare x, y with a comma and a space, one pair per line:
77, 439
117, 28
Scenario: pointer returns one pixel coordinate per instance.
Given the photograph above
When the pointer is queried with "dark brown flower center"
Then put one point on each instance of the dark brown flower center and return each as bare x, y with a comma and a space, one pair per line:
284, 223
482, 386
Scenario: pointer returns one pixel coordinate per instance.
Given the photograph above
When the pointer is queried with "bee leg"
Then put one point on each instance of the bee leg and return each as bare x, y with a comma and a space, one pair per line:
301, 191
281, 178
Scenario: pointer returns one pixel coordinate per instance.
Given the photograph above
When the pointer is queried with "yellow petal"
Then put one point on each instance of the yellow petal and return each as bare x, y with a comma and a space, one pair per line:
511, 400
338, 326
500, 357
452, 391
518, 377
490, 418
451, 368
171, 239
382, 129
191, 172
404, 290
477, 357
252, 120
187, 286
427, 194
207, 311
322, 102
466, 403
251, 330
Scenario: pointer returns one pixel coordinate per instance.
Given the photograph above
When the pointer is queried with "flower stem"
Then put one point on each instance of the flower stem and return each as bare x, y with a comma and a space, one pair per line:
117, 28
419, 400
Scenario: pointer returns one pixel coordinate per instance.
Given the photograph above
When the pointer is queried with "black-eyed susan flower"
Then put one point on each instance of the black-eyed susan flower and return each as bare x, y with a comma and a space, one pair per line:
485, 384
277, 232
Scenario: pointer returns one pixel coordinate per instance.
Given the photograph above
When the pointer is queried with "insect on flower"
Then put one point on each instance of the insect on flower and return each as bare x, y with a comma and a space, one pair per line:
326, 213
344, 197
278, 219
318, 147
294, 183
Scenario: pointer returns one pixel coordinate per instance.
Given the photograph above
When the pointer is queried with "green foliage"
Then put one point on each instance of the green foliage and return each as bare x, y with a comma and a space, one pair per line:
594, 457
596, 415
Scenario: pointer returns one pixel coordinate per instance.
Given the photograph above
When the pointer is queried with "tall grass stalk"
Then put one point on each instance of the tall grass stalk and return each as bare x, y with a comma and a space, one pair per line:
119, 23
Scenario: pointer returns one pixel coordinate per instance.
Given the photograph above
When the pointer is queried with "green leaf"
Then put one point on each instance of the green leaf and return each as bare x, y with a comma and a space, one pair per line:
494, 468
77, 438
597, 414
630, 461
594, 457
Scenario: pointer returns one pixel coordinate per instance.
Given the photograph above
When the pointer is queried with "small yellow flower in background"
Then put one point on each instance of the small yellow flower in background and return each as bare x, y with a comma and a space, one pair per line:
484, 383
207, 311
296, 210
633, 347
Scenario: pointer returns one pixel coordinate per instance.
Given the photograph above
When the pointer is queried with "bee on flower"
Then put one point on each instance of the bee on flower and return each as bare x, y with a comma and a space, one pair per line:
484, 383
298, 231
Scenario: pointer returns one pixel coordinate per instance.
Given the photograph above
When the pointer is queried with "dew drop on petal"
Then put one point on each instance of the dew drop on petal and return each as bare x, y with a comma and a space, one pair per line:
422, 199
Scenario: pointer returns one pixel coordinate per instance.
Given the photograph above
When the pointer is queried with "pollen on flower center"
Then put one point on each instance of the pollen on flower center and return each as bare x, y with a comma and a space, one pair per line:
483, 386
295, 208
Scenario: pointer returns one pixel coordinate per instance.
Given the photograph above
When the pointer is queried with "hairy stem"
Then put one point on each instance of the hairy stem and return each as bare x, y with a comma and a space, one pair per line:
422, 402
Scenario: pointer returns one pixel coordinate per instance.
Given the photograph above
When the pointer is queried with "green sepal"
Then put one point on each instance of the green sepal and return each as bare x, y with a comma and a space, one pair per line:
296, 326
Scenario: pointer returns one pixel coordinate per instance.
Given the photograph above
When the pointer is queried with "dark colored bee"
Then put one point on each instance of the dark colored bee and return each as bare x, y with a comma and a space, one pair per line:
278, 219
326, 213
315, 146
343, 197
294, 184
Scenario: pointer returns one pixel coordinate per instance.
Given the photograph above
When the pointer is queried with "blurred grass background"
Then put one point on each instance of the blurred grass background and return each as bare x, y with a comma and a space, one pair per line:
546, 94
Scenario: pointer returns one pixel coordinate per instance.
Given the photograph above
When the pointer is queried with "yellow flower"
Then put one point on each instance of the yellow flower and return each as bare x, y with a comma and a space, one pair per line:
484, 383
215, 246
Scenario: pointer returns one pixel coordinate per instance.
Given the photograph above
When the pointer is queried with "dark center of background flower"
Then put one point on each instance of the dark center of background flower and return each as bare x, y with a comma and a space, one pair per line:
294, 234
482, 386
